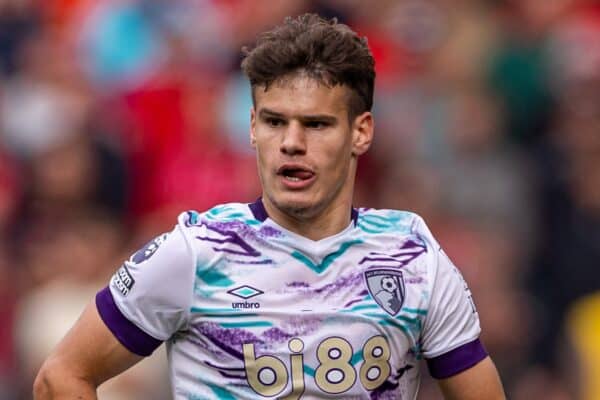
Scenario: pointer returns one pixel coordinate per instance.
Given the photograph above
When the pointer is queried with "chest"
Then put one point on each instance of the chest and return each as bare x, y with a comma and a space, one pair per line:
347, 320
354, 290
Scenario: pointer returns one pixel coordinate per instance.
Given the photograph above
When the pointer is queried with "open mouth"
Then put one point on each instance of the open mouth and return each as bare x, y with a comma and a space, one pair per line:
295, 173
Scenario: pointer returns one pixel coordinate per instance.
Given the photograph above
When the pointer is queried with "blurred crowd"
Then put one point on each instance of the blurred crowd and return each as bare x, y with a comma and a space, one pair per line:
116, 115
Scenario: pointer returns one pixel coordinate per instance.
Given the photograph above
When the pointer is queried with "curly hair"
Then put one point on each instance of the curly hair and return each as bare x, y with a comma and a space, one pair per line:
324, 50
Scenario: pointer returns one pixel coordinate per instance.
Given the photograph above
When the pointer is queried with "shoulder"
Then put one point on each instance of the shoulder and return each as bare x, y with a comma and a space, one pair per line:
220, 218
374, 221
386, 219
232, 226
407, 234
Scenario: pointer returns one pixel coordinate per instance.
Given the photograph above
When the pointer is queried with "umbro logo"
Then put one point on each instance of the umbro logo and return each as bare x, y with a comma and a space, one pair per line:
245, 292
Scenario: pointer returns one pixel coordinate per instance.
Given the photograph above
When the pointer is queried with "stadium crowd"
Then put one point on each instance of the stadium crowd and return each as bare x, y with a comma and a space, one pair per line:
116, 115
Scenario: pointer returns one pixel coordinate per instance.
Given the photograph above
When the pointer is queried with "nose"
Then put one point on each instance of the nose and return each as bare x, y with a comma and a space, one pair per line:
293, 141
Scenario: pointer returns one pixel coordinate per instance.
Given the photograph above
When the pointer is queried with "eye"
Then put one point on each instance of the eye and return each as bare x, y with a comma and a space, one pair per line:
274, 122
316, 124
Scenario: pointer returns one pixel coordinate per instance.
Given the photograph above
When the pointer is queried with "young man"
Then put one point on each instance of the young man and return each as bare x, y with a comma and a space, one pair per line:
297, 295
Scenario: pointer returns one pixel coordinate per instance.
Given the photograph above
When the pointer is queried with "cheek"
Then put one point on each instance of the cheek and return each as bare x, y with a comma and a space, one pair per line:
262, 159
337, 161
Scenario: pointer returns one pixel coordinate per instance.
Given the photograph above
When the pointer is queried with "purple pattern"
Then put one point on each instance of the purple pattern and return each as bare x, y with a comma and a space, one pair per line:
232, 237
224, 371
241, 369
408, 252
345, 282
231, 376
457, 360
348, 304
269, 231
253, 262
302, 325
277, 335
228, 340
388, 389
204, 345
132, 337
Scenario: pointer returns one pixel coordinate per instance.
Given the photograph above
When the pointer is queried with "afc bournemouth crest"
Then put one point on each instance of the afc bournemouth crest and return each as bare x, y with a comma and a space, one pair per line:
386, 286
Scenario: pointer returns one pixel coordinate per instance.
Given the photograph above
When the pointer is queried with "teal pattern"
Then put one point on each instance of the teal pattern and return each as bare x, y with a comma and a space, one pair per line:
248, 324
221, 393
218, 311
415, 311
193, 217
396, 222
228, 213
213, 277
328, 260
196, 397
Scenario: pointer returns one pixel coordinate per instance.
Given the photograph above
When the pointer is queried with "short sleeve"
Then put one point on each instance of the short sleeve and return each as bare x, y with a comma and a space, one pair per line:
450, 339
148, 298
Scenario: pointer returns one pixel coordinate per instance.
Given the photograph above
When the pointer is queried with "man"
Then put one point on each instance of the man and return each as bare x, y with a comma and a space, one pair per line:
297, 295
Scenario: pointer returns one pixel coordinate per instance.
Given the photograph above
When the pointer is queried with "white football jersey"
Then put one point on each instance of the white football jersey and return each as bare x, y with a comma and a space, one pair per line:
250, 310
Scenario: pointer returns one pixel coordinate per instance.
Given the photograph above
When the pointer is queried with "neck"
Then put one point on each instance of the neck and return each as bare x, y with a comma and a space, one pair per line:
328, 222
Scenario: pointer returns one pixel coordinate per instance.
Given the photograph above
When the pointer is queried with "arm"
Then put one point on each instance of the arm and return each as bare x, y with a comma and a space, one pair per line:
480, 382
450, 339
87, 356
147, 301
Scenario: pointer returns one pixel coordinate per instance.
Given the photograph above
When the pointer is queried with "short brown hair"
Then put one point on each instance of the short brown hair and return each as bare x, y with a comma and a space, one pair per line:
325, 50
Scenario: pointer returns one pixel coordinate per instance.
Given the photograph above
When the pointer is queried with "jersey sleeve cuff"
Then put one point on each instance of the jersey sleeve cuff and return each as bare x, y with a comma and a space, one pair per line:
457, 360
133, 338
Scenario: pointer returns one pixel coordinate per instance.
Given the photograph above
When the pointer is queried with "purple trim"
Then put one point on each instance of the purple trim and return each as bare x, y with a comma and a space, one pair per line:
133, 338
457, 360
354, 216
258, 209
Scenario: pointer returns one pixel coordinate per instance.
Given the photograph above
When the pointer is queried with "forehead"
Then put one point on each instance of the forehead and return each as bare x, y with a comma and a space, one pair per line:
301, 95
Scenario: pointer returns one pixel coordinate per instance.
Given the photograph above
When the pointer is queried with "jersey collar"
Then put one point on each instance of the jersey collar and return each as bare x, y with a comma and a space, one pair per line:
260, 213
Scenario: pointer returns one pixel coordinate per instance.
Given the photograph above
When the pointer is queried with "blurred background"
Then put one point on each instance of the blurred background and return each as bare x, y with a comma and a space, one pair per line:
116, 115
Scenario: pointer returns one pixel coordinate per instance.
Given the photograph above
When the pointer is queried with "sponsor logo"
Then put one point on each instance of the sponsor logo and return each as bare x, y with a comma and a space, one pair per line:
386, 286
123, 281
245, 292
335, 373
149, 249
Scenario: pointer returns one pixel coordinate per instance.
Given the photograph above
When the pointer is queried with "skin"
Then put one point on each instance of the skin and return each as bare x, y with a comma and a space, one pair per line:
295, 122
87, 356
478, 382
300, 121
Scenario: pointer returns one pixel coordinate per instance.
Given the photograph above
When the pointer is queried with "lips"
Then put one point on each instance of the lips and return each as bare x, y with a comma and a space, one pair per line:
296, 174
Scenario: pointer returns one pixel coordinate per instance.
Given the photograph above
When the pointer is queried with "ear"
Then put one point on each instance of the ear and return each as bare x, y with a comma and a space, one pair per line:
362, 133
253, 127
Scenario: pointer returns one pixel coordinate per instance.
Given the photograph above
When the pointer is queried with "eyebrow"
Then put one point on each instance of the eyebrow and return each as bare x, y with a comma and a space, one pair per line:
265, 113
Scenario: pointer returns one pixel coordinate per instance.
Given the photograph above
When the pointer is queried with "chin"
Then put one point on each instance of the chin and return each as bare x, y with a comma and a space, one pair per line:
297, 205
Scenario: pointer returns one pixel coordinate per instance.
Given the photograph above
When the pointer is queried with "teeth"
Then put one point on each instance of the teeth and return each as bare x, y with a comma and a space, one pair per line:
292, 178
